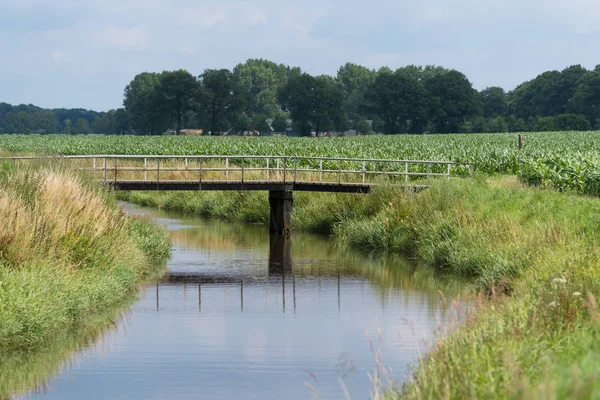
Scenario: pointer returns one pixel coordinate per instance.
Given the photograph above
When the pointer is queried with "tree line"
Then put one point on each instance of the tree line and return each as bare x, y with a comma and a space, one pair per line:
260, 94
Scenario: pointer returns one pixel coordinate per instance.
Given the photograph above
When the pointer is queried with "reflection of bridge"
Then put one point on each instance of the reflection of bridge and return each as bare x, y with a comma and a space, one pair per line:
279, 271
278, 175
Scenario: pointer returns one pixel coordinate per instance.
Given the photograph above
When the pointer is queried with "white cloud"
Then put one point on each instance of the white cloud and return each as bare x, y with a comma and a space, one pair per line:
136, 38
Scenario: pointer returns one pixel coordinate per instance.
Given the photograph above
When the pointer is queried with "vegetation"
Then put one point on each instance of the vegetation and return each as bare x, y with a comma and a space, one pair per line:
560, 160
67, 254
533, 330
263, 95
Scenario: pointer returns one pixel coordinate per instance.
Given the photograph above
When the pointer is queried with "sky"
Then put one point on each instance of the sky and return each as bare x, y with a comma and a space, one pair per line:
82, 53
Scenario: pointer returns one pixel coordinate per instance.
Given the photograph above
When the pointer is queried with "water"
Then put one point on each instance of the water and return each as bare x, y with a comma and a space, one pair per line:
240, 316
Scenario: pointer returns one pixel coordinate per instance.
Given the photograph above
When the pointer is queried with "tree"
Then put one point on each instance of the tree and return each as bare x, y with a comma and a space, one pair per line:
261, 80
354, 80
176, 94
141, 105
67, 129
586, 98
454, 100
544, 124
82, 127
222, 99
399, 100
280, 122
493, 100
314, 103
572, 122
497, 125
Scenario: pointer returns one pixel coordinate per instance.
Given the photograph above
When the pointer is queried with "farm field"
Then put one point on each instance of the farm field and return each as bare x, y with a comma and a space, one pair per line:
561, 160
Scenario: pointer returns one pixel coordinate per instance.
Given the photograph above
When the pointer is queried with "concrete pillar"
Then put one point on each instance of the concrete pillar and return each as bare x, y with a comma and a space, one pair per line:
280, 202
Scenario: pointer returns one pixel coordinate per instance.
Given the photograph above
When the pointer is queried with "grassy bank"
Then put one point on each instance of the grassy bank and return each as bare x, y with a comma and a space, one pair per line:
67, 255
532, 253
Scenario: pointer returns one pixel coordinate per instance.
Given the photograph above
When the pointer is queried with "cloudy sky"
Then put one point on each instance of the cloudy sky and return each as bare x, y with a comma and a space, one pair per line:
82, 53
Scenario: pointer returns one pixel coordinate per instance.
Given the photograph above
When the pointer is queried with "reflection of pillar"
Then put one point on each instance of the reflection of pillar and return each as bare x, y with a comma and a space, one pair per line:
280, 258
242, 296
199, 297
280, 203
157, 301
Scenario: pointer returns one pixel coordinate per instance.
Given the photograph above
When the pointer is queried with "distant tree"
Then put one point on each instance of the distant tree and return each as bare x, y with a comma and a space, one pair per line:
572, 122
67, 127
141, 104
121, 121
586, 97
400, 101
259, 122
493, 100
516, 124
222, 99
280, 121
261, 80
545, 124
176, 94
478, 125
354, 80
456, 100
314, 103
497, 125
82, 127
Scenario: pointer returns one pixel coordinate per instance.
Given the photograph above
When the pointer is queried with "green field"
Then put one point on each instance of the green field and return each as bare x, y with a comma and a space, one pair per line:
561, 160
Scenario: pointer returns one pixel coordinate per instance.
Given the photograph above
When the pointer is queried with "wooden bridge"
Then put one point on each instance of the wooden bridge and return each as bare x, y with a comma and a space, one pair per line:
279, 175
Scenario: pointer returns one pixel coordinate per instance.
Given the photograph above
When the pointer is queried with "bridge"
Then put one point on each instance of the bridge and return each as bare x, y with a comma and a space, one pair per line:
279, 175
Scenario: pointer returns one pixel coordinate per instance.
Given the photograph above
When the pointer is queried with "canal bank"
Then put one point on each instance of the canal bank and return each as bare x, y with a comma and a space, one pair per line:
69, 261
232, 319
532, 253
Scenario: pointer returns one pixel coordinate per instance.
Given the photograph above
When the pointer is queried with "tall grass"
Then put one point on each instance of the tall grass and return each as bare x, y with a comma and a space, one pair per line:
66, 253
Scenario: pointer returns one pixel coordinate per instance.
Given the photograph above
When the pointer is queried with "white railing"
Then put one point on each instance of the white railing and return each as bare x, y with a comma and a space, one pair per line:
248, 169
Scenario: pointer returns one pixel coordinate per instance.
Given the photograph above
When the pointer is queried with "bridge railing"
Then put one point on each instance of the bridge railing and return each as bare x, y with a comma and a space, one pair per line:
248, 169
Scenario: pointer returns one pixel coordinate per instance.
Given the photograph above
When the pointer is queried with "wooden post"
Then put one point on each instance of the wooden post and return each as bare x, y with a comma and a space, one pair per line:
243, 163
186, 170
104, 166
295, 168
115, 170
201, 163
268, 176
145, 169
157, 172
449, 168
284, 169
363, 171
406, 173
340, 172
227, 169
321, 170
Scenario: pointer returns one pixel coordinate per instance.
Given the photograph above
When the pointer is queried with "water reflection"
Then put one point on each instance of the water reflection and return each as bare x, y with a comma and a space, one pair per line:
239, 314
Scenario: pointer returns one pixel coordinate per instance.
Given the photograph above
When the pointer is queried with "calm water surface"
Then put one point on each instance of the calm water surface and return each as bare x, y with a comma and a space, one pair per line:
240, 316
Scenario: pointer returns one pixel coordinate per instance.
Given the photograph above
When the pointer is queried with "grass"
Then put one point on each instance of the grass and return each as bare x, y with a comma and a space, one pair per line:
67, 255
532, 255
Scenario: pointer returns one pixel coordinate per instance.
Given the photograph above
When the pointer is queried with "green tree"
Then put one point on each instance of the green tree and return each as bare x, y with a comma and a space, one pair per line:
545, 124
82, 127
141, 105
497, 125
314, 103
222, 99
177, 94
516, 124
572, 122
280, 122
67, 127
261, 80
454, 100
400, 101
354, 81
493, 100
586, 98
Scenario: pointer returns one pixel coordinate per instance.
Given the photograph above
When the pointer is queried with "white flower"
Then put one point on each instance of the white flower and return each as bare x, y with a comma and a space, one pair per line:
559, 280
577, 294
553, 304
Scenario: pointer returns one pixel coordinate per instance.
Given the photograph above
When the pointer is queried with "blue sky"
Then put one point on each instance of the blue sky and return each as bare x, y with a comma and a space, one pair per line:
82, 53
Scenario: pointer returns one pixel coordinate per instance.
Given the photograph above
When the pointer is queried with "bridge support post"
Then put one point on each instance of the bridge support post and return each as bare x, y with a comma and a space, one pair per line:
280, 202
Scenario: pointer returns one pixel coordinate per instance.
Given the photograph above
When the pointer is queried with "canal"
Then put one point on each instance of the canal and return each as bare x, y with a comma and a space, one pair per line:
238, 315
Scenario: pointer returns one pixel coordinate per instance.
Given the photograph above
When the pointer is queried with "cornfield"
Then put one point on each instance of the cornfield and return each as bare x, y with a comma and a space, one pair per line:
561, 160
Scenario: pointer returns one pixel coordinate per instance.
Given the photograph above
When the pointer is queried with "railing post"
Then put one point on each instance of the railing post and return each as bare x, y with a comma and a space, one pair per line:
185, 175
284, 169
295, 168
226, 169
449, 168
116, 170
145, 169
340, 172
428, 172
201, 163
321, 170
471, 170
104, 166
363, 171
406, 173
243, 164
157, 171
268, 175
